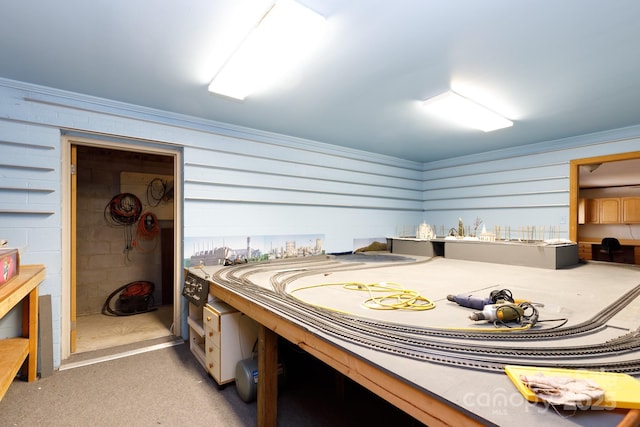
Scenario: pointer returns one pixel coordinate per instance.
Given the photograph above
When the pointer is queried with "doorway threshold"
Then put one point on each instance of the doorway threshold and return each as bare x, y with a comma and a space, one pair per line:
98, 356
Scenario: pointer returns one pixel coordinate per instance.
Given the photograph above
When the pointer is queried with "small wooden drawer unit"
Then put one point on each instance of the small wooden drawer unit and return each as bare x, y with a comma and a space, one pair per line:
230, 336
585, 250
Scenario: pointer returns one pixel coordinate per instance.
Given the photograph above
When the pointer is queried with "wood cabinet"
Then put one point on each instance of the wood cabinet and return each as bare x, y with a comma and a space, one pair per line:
609, 210
585, 251
23, 288
591, 211
631, 210
230, 337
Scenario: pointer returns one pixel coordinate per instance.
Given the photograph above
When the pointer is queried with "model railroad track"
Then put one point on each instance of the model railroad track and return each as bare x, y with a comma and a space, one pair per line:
421, 343
281, 280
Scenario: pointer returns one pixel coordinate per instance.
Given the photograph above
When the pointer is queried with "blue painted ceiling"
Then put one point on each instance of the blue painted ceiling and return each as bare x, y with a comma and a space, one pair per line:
556, 68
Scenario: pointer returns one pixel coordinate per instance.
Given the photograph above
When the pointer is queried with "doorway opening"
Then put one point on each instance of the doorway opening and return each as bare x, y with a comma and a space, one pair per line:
106, 252
605, 203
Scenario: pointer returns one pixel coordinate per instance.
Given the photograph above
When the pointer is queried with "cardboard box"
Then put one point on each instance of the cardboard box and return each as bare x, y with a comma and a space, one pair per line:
9, 264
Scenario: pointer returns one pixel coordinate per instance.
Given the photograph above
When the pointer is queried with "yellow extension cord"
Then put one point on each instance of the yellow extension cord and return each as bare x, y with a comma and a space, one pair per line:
396, 298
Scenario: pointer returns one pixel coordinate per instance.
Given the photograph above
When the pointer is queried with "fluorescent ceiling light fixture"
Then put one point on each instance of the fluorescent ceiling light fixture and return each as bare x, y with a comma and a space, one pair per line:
286, 33
461, 110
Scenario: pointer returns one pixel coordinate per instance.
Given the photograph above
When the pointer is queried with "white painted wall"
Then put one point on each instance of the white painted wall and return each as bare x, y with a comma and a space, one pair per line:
241, 188
516, 188
236, 181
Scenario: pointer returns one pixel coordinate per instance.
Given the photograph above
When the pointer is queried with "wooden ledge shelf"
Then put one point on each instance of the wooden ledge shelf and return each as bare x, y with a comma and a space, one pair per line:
21, 352
13, 352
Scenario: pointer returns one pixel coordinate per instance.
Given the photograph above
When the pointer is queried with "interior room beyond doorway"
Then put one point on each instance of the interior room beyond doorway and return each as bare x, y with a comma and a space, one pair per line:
111, 253
605, 205
98, 332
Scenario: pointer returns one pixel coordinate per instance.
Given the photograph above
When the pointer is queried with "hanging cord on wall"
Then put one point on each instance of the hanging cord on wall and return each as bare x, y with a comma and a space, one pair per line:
147, 230
159, 191
124, 210
395, 296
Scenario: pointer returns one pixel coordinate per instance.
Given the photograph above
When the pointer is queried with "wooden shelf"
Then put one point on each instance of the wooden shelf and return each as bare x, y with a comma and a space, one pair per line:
196, 333
196, 325
23, 288
13, 352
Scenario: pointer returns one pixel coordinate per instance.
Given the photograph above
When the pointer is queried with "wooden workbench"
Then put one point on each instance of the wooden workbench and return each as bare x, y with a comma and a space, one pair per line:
23, 288
414, 401
436, 395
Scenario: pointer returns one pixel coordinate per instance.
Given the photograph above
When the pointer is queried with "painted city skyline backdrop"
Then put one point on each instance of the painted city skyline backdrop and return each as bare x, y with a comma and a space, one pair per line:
215, 250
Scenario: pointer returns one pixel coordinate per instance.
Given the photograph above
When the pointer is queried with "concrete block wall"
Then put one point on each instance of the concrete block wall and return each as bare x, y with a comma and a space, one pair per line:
103, 264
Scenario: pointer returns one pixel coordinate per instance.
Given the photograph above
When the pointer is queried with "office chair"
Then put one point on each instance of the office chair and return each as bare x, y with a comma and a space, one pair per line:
610, 246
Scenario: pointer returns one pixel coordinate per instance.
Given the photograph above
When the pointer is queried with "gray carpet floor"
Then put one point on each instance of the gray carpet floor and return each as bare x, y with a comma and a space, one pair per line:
167, 386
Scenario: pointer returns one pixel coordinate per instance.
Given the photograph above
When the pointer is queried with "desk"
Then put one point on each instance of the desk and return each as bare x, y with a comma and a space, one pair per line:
23, 288
590, 250
625, 255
